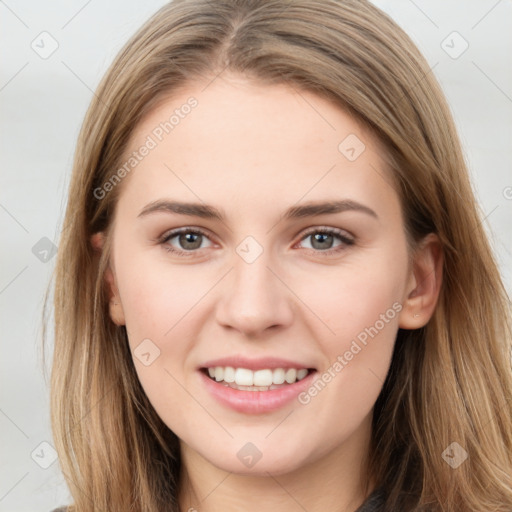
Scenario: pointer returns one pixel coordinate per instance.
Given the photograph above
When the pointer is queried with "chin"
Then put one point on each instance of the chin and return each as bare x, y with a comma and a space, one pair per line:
257, 459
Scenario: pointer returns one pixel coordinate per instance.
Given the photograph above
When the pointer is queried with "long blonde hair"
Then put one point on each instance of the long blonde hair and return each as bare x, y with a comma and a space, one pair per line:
448, 382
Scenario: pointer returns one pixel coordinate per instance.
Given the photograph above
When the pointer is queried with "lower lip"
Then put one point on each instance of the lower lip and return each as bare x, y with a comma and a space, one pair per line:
255, 402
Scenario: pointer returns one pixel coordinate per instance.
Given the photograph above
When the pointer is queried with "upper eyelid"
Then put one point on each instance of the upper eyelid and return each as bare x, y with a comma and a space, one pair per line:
178, 231
341, 233
327, 229
337, 232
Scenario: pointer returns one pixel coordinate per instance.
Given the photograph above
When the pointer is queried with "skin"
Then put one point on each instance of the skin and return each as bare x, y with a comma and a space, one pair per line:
253, 151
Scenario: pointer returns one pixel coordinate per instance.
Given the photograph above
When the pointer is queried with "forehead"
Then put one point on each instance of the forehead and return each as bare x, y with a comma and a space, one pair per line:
239, 140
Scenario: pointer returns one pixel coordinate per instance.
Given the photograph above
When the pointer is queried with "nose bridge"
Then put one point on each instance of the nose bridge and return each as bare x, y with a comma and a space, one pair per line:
253, 298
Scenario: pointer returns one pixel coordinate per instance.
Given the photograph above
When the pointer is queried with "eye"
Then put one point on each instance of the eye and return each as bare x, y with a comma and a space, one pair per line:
326, 240
185, 240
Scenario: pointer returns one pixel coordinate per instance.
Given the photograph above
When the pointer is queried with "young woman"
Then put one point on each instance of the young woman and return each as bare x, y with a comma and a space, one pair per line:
274, 291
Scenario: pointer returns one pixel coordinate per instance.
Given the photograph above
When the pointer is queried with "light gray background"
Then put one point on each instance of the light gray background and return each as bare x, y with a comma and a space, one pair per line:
43, 102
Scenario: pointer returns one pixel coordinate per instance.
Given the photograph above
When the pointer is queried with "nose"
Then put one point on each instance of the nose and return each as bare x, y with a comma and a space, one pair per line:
253, 299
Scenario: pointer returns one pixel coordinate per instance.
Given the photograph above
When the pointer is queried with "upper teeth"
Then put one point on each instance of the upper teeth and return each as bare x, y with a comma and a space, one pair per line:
267, 377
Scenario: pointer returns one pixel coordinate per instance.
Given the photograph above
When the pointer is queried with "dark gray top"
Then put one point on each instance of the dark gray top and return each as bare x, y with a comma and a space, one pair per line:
374, 503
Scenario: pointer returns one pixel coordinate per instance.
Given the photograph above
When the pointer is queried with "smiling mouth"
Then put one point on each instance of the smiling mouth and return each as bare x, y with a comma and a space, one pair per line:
265, 379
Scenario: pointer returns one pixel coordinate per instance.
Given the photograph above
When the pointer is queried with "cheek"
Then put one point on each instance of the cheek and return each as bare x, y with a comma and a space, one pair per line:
163, 313
168, 305
156, 295
356, 297
361, 311
367, 305
360, 314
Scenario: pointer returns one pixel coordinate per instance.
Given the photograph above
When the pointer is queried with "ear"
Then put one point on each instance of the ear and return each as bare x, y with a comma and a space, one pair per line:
424, 284
115, 306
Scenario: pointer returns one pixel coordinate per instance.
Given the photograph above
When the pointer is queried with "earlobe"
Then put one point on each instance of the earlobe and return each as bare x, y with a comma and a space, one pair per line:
116, 312
97, 241
115, 307
424, 284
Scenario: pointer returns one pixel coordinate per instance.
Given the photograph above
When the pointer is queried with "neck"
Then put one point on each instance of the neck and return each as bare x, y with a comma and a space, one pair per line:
336, 481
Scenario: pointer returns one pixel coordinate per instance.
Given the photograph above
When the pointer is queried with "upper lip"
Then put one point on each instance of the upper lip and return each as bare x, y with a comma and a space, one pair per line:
260, 363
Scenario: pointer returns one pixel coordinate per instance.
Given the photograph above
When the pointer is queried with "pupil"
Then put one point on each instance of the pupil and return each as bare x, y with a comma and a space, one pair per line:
190, 240
320, 239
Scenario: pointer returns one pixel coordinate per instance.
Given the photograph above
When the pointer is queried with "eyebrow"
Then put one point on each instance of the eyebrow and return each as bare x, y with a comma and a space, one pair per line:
322, 208
295, 212
194, 209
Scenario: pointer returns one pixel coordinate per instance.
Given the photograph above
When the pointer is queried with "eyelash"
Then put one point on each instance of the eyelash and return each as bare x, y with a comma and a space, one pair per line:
170, 235
338, 233
345, 239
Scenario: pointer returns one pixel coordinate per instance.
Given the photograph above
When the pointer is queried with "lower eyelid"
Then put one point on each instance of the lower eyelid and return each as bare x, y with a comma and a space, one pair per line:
345, 240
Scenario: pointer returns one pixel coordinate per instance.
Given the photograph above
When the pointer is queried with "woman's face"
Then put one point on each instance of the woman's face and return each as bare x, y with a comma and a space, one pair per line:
258, 234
